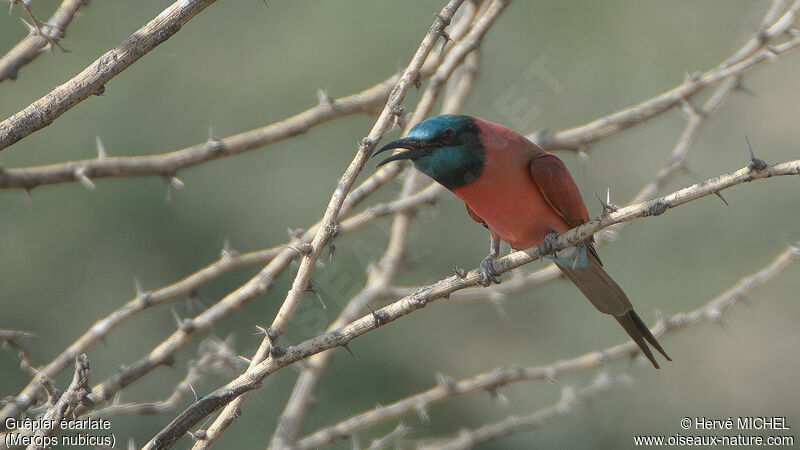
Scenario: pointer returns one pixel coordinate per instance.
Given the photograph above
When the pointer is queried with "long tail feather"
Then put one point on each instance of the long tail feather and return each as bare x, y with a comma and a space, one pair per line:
635, 333
586, 272
647, 334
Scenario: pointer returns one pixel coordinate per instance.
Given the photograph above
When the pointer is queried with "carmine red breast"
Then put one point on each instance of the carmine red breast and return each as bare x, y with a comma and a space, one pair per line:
504, 195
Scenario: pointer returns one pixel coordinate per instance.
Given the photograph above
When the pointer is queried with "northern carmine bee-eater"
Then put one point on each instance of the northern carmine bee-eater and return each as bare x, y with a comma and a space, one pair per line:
524, 196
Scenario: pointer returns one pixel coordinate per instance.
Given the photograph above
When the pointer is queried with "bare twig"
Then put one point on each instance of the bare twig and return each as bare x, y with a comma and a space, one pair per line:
271, 357
6, 334
583, 135
495, 293
91, 80
578, 137
711, 311
42, 36
327, 229
348, 203
677, 160
490, 381
187, 287
11, 339
167, 164
382, 274
378, 278
64, 406
328, 226
464, 81
399, 432
570, 399
772, 26
217, 357
252, 378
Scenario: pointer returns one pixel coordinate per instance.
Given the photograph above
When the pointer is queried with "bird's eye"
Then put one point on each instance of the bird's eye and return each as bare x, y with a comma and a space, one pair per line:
448, 134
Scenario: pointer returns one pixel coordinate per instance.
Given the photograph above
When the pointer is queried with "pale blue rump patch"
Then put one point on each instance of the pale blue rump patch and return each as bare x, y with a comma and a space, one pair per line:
572, 257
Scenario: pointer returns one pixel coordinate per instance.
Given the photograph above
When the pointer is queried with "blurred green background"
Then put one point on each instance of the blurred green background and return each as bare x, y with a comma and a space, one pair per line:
72, 255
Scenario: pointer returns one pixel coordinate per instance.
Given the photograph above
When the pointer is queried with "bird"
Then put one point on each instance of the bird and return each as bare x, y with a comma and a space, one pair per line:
524, 196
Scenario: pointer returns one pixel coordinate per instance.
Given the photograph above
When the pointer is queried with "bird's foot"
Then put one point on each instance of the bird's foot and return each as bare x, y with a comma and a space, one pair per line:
487, 272
548, 246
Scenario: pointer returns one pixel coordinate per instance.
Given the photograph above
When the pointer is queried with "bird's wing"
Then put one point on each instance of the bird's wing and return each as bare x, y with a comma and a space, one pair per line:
475, 217
561, 193
559, 189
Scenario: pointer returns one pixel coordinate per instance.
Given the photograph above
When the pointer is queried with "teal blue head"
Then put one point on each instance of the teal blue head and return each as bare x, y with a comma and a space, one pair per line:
447, 148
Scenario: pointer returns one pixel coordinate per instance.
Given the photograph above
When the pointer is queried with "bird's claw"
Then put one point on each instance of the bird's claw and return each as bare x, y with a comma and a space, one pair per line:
487, 272
548, 246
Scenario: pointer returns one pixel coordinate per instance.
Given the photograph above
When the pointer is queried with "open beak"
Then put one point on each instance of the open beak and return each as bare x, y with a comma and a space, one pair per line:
415, 148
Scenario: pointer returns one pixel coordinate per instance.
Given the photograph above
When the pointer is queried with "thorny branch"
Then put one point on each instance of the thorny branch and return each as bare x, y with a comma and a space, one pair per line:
188, 286
63, 406
750, 56
712, 311
11, 339
346, 204
218, 356
570, 399
167, 164
491, 381
389, 264
757, 50
228, 262
380, 275
41, 36
327, 229
253, 377
91, 80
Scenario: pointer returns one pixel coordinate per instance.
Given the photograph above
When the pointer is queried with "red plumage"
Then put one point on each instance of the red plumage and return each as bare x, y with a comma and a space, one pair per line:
522, 194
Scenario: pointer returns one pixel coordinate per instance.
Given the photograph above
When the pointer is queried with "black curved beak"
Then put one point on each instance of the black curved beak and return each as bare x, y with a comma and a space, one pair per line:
416, 148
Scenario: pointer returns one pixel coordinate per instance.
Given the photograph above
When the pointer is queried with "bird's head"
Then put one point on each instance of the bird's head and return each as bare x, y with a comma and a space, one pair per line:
447, 148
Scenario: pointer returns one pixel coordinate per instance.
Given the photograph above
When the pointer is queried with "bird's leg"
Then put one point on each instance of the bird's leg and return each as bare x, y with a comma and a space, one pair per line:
486, 268
548, 246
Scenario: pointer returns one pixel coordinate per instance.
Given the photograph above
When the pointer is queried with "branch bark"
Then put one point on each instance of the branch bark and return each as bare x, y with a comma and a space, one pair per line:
491, 381
168, 164
380, 277
308, 246
32, 45
388, 266
91, 80
570, 399
749, 56
64, 406
327, 229
144, 300
253, 377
